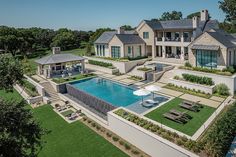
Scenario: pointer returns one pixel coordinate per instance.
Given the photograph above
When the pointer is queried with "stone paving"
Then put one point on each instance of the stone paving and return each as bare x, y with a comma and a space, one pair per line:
159, 84
120, 77
201, 100
216, 98
170, 92
128, 81
108, 75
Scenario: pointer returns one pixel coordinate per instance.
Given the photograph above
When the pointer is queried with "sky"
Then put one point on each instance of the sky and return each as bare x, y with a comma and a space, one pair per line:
93, 14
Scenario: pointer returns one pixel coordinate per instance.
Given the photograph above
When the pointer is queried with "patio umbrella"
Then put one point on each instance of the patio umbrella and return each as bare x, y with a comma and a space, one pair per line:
141, 92
153, 88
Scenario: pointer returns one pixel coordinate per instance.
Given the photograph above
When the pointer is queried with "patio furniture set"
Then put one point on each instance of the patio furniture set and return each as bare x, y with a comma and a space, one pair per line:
183, 117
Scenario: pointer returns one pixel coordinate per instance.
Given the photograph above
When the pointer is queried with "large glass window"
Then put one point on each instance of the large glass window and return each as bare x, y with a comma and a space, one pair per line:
115, 52
140, 50
129, 51
97, 50
206, 58
103, 50
145, 35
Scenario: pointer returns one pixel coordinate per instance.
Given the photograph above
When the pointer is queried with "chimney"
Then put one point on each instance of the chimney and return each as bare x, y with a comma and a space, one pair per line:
56, 50
204, 15
195, 22
121, 30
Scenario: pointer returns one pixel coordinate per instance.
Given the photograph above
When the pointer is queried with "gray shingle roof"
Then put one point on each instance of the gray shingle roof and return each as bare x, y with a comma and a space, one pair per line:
107, 36
224, 38
130, 39
206, 47
58, 58
180, 24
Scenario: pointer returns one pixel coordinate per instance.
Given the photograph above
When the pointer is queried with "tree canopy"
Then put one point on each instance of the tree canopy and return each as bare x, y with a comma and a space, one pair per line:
20, 134
127, 27
11, 72
98, 32
229, 8
174, 15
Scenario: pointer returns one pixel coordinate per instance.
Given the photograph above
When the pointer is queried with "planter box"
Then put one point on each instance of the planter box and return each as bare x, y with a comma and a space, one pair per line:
33, 100
230, 81
189, 85
39, 88
123, 67
145, 140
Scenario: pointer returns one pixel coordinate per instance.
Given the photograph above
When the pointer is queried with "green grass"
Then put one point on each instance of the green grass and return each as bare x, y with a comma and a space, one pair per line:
191, 126
72, 78
10, 96
72, 140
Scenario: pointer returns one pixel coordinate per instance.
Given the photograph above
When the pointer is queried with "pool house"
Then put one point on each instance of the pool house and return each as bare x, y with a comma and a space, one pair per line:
60, 64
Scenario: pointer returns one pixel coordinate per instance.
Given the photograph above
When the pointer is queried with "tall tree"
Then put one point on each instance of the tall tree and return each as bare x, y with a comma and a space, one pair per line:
127, 27
20, 135
174, 15
98, 33
229, 8
11, 72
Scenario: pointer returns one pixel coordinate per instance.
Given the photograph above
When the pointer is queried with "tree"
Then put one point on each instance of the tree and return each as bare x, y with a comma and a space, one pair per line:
64, 39
198, 14
127, 27
229, 8
174, 15
20, 135
11, 72
98, 33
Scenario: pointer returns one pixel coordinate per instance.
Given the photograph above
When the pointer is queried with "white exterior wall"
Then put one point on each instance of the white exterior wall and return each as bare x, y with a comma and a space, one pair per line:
189, 85
97, 52
230, 81
150, 143
115, 41
135, 48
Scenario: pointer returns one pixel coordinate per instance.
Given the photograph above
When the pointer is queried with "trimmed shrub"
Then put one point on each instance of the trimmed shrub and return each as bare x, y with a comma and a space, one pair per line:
121, 142
127, 146
109, 134
136, 152
187, 64
198, 79
115, 138
99, 63
221, 89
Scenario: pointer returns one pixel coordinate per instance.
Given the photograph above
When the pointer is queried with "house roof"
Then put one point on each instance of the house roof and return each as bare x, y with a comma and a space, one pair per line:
58, 58
180, 24
130, 39
107, 36
224, 38
206, 47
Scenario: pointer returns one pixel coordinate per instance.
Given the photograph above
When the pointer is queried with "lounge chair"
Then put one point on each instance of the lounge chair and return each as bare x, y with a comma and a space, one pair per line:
150, 101
183, 115
174, 118
189, 106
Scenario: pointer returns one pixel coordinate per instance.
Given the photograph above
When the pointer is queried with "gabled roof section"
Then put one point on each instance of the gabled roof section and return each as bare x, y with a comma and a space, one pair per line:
58, 58
224, 38
130, 39
106, 37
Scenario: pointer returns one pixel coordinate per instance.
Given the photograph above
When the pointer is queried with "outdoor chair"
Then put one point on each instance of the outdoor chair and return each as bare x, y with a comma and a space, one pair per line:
174, 118
150, 101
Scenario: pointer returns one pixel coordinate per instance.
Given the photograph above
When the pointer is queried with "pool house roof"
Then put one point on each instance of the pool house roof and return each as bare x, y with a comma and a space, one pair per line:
58, 58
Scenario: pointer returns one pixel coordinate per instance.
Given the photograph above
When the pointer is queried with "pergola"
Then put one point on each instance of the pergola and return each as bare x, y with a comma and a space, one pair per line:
56, 65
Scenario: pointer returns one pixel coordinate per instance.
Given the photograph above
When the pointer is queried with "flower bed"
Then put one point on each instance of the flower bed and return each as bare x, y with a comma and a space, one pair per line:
170, 136
214, 71
187, 91
196, 79
30, 89
136, 78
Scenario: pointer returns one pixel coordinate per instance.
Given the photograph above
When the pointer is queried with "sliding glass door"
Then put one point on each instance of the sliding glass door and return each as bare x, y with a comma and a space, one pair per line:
206, 58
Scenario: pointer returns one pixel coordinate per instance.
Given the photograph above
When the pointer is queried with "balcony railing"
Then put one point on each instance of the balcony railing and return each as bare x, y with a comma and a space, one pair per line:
173, 39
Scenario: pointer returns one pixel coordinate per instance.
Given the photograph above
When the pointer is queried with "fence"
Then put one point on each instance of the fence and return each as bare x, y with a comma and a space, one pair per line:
92, 101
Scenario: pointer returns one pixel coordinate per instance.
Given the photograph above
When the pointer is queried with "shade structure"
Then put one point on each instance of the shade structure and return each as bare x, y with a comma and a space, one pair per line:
153, 88
141, 92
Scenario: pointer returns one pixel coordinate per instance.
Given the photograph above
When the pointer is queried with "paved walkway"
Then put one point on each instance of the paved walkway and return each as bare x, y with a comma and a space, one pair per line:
201, 100
170, 92
216, 98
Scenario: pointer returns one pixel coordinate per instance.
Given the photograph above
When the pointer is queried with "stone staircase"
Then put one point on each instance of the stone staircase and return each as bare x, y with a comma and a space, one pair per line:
50, 92
166, 76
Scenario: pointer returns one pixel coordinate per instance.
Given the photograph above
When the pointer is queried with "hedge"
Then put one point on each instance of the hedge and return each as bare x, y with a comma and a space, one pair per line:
218, 139
99, 63
198, 79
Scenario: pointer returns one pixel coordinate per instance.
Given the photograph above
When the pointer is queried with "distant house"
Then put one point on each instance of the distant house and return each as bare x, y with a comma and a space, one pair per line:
60, 64
119, 44
198, 40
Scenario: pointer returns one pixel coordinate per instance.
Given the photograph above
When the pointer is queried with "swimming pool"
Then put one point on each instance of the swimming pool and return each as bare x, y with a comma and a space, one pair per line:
109, 91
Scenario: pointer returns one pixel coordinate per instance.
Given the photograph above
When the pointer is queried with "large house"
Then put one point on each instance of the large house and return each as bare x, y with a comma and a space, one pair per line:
181, 40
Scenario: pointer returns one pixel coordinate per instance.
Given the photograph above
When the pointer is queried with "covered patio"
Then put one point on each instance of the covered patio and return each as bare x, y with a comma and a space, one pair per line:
60, 65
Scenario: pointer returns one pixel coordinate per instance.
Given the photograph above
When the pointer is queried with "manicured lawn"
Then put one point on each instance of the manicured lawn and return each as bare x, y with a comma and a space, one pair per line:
72, 78
191, 126
14, 96
71, 140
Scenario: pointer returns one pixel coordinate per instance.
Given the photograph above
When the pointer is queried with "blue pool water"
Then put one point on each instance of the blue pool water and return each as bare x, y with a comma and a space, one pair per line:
109, 91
